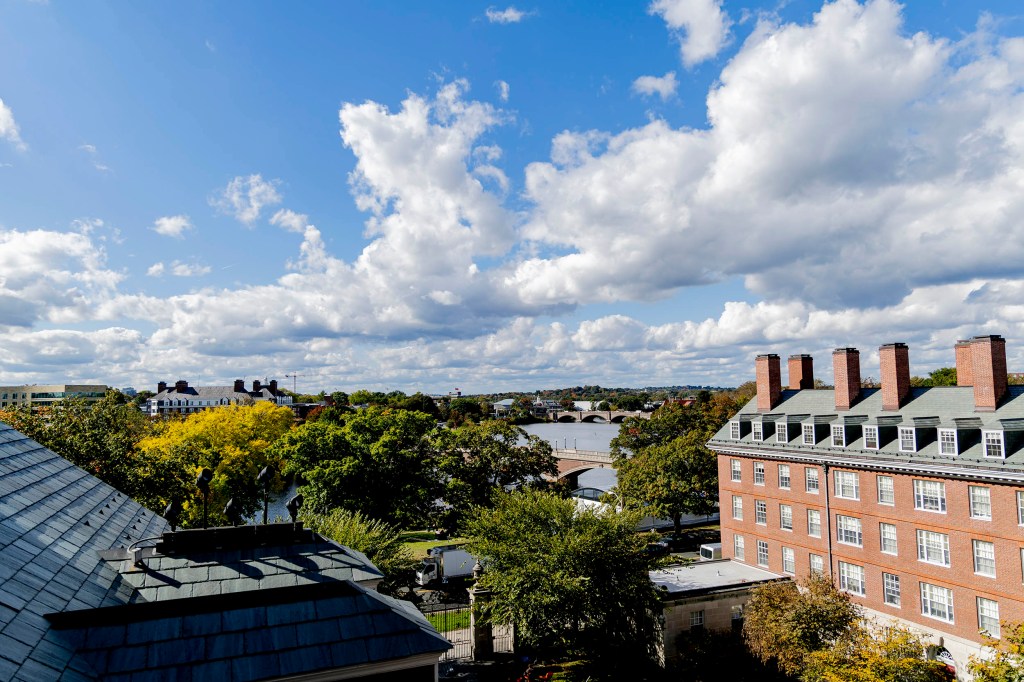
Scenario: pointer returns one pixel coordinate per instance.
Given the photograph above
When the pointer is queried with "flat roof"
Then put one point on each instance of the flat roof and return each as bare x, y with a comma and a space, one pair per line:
704, 576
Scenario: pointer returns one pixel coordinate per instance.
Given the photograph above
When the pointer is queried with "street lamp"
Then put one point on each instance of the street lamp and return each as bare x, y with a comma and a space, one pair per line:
203, 483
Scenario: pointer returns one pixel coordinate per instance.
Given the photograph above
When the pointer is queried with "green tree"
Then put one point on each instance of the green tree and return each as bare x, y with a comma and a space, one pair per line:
572, 581
340, 398
869, 653
944, 376
1003, 660
461, 410
629, 403
419, 402
604, 406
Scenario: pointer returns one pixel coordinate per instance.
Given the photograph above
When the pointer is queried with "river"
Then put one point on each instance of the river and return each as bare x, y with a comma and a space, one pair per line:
576, 435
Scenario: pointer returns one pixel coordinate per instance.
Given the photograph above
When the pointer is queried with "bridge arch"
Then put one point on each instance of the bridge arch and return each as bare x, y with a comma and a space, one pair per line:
595, 419
566, 418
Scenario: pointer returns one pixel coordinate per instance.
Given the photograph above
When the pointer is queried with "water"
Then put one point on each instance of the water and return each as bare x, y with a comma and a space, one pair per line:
576, 435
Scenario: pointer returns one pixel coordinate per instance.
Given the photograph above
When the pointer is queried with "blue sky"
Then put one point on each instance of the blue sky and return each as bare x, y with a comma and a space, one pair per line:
425, 196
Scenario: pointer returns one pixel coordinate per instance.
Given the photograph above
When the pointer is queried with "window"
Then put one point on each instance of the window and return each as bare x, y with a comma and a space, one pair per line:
784, 479
737, 471
937, 602
814, 523
788, 560
851, 578
891, 589
984, 558
734, 430
838, 436
760, 512
981, 502
762, 553
785, 517
696, 619
993, 443
871, 437
886, 492
817, 564
932, 547
757, 433
782, 433
738, 550
847, 485
758, 473
908, 439
1020, 508
808, 434
947, 442
988, 616
930, 496
737, 507
887, 533
811, 480
848, 530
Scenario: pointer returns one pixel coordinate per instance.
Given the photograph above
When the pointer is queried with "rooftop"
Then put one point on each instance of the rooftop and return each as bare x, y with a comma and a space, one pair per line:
709, 576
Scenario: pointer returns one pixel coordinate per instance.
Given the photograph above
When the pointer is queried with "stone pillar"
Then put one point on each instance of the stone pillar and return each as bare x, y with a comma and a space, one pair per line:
483, 636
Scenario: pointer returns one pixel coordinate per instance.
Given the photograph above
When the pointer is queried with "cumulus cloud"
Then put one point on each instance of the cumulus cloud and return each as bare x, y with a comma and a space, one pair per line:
178, 269
9, 128
156, 270
509, 15
173, 226
663, 86
701, 27
503, 90
245, 197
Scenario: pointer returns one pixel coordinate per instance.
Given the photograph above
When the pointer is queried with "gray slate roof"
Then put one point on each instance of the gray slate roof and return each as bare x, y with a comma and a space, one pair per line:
213, 393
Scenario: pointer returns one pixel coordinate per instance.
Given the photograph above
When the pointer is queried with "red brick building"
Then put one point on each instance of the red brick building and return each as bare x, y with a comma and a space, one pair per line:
911, 498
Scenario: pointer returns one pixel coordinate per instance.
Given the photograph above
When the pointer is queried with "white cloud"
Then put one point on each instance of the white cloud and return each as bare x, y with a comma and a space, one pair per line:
663, 86
93, 153
180, 269
509, 15
701, 26
503, 89
290, 220
9, 128
173, 226
156, 270
245, 197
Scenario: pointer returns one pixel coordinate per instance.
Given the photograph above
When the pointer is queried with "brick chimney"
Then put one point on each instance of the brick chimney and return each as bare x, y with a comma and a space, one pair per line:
768, 369
801, 372
256, 385
180, 385
894, 359
846, 366
239, 385
273, 386
161, 387
988, 370
964, 363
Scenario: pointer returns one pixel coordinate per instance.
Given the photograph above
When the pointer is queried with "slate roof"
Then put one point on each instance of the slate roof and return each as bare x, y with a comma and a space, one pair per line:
213, 393
925, 408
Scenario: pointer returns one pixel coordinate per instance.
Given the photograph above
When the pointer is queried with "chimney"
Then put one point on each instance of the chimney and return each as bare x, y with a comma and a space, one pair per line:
161, 387
894, 359
273, 386
801, 372
239, 385
180, 385
256, 385
964, 369
988, 371
768, 370
846, 365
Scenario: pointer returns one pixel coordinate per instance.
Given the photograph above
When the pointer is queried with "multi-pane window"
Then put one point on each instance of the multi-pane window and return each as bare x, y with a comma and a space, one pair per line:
838, 436
738, 549
988, 616
886, 492
736, 470
760, 512
1020, 508
697, 619
737, 507
933, 547
908, 439
984, 558
947, 442
808, 431
784, 476
785, 517
762, 553
891, 589
848, 530
758, 473
814, 523
937, 602
734, 430
981, 502
871, 437
788, 560
887, 533
817, 564
811, 480
930, 495
757, 432
993, 443
782, 433
848, 485
851, 578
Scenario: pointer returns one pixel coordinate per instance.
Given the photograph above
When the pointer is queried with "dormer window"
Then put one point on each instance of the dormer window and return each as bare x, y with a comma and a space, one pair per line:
947, 442
734, 430
870, 437
758, 432
781, 433
994, 446
908, 439
808, 434
838, 436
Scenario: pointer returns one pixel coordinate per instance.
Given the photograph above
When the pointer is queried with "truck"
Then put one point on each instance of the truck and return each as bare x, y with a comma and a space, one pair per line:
444, 563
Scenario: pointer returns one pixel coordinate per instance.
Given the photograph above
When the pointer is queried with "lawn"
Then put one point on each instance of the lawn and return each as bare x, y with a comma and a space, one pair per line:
449, 621
419, 541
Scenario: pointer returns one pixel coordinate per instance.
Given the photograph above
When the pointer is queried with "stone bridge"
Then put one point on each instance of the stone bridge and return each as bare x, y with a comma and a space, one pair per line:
612, 416
572, 462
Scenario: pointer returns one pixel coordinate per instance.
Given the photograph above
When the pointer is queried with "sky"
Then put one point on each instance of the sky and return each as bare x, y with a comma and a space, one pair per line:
491, 197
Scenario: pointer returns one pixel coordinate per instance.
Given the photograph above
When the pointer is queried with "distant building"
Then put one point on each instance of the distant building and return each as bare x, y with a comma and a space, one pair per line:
180, 398
41, 395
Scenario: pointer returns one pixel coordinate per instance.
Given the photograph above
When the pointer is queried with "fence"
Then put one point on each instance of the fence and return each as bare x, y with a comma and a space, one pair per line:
454, 622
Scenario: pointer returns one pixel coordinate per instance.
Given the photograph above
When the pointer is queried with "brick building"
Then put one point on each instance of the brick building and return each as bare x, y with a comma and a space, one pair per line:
911, 498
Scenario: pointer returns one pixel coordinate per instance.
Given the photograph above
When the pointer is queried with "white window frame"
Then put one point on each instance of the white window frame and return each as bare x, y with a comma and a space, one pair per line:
908, 433
992, 438
788, 560
736, 470
738, 548
980, 498
761, 512
886, 490
757, 431
847, 485
814, 523
785, 480
1020, 507
849, 530
924, 496
937, 602
891, 589
762, 553
781, 433
734, 430
887, 539
838, 436
988, 617
984, 558
737, 507
697, 619
870, 436
807, 431
758, 473
817, 564
786, 517
933, 547
812, 480
948, 444
851, 578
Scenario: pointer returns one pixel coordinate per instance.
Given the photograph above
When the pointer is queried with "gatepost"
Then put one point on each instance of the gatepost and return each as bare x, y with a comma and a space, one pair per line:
483, 636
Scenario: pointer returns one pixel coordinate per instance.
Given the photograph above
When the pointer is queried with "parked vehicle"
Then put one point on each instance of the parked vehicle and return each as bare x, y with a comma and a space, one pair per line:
711, 551
444, 563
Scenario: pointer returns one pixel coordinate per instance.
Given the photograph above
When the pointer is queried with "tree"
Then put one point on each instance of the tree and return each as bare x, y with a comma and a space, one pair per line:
785, 624
944, 376
461, 410
568, 404
629, 403
869, 653
603, 406
340, 398
572, 581
1003, 660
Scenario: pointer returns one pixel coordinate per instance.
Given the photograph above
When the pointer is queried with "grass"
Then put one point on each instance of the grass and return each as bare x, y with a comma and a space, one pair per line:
418, 542
447, 622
